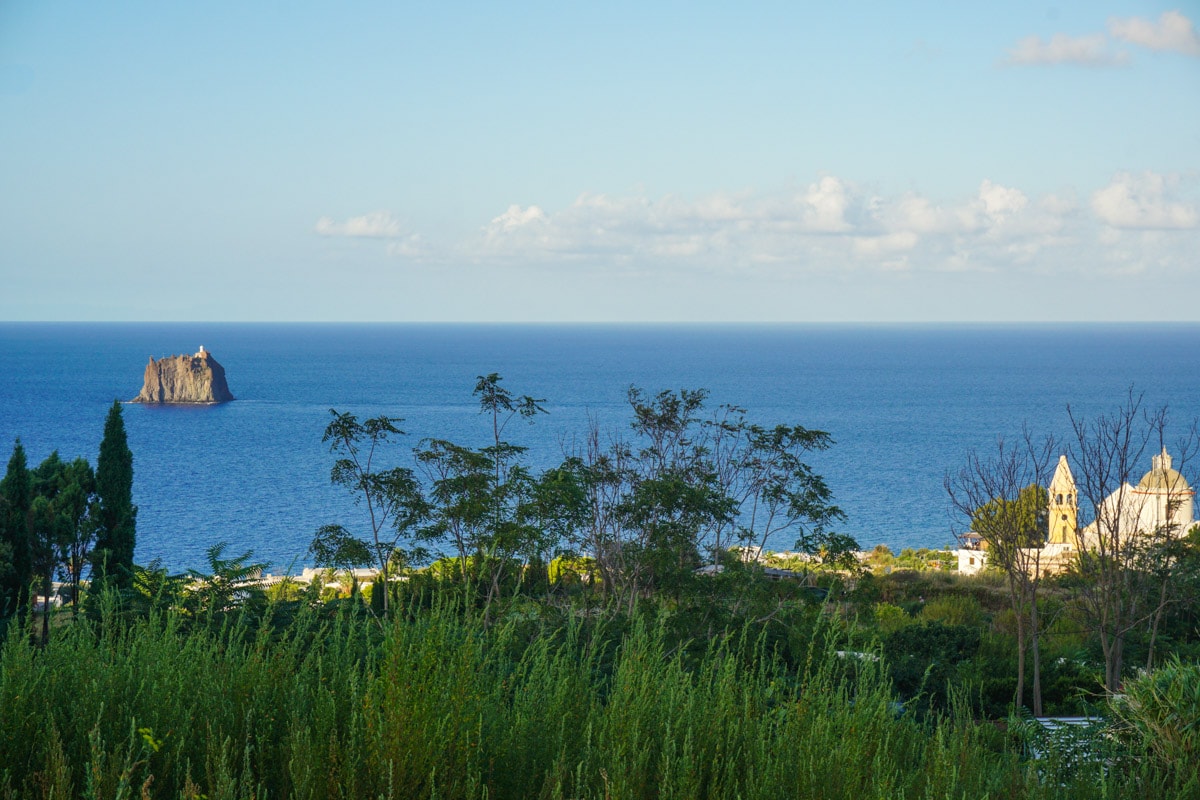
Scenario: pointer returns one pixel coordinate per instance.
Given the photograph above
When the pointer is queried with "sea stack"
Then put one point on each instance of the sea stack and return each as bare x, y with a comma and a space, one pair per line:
193, 380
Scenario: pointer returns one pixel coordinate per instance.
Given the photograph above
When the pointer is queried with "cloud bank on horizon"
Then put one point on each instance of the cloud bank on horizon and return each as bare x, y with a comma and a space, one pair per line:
624, 163
835, 224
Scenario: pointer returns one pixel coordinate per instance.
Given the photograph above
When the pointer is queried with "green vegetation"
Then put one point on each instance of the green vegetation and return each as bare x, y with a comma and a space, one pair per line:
1002, 495
648, 508
881, 560
49, 516
16, 555
392, 498
112, 557
566, 646
62, 520
1161, 712
306, 701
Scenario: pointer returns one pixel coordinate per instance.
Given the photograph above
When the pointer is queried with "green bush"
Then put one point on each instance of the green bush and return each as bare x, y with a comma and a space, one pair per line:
925, 661
1161, 712
890, 618
953, 610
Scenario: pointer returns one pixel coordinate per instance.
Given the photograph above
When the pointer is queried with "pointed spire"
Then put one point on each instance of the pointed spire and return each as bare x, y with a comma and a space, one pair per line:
1063, 479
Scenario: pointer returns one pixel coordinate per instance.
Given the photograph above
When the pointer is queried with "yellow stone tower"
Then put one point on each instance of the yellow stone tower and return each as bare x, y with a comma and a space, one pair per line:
1064, 506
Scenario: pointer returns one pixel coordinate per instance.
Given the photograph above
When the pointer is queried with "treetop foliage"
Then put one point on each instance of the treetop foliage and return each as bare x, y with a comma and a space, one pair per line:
116, 536
651, 506
1019, 522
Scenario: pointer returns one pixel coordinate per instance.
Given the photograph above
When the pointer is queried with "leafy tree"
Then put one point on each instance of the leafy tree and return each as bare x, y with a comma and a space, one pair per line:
762, 469
513, 526
45, 530
672, 501
334, 547
156, 589
558, 511
395, 503
229, 584
1003, 498
60, 524
486, 502
670, 510
880, 559
16, 558
1168, 565
78, 503
607, 471
116, 534
54, 532
1022, 518
460, 491
689, 486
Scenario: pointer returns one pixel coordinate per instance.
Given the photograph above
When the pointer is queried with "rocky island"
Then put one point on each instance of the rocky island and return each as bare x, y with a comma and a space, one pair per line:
184, 379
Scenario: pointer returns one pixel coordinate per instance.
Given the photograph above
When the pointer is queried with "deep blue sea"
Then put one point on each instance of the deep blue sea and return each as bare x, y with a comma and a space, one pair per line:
903, 403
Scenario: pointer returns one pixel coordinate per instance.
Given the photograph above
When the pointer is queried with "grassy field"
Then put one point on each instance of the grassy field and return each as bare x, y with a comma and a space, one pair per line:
331, 702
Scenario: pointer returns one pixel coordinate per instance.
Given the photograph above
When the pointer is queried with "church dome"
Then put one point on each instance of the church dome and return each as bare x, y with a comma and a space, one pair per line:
1162, 478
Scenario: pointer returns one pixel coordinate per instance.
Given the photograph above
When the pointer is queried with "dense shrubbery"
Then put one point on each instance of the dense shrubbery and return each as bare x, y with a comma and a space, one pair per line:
518, 667
329, 701
1161, 712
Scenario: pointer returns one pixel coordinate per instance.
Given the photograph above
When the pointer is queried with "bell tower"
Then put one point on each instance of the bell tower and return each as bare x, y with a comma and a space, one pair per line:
1063, 506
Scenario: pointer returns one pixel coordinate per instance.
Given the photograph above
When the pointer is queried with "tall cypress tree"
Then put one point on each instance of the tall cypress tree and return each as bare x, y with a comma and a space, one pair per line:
112, 557
16, 560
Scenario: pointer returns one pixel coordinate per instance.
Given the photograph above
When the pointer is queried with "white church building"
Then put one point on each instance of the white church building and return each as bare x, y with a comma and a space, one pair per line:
1162, 501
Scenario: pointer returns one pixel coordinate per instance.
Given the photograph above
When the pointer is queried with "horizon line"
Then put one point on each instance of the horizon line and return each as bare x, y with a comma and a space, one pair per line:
626, 323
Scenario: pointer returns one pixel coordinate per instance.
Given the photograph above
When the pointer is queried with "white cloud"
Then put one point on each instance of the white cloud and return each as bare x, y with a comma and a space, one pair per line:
1143, 201
832, 224
1139, 221
1092, 50
912, 212
517, 217
377, 224
993, 207
629, 227
1000, 202
825, 205
1173, 32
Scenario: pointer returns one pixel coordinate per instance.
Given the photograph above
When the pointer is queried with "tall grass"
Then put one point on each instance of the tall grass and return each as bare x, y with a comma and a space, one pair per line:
437, 704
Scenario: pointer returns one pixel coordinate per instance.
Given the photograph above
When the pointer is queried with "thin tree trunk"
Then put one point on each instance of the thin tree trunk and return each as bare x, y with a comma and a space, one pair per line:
1154, 621
1034, 644
75, 571
1018, 613
1113, 661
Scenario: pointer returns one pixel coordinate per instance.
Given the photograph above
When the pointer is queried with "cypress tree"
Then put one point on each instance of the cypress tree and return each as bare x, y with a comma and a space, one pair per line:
16, 558
112, 557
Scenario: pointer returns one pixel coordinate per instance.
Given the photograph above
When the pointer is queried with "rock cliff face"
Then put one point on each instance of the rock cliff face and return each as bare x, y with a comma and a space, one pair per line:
184, 379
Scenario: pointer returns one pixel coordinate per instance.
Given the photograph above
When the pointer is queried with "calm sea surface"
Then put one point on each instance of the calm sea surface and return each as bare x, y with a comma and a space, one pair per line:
903, 404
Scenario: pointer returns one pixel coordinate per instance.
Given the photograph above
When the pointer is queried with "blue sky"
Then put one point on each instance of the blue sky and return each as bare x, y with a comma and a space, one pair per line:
869, 162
